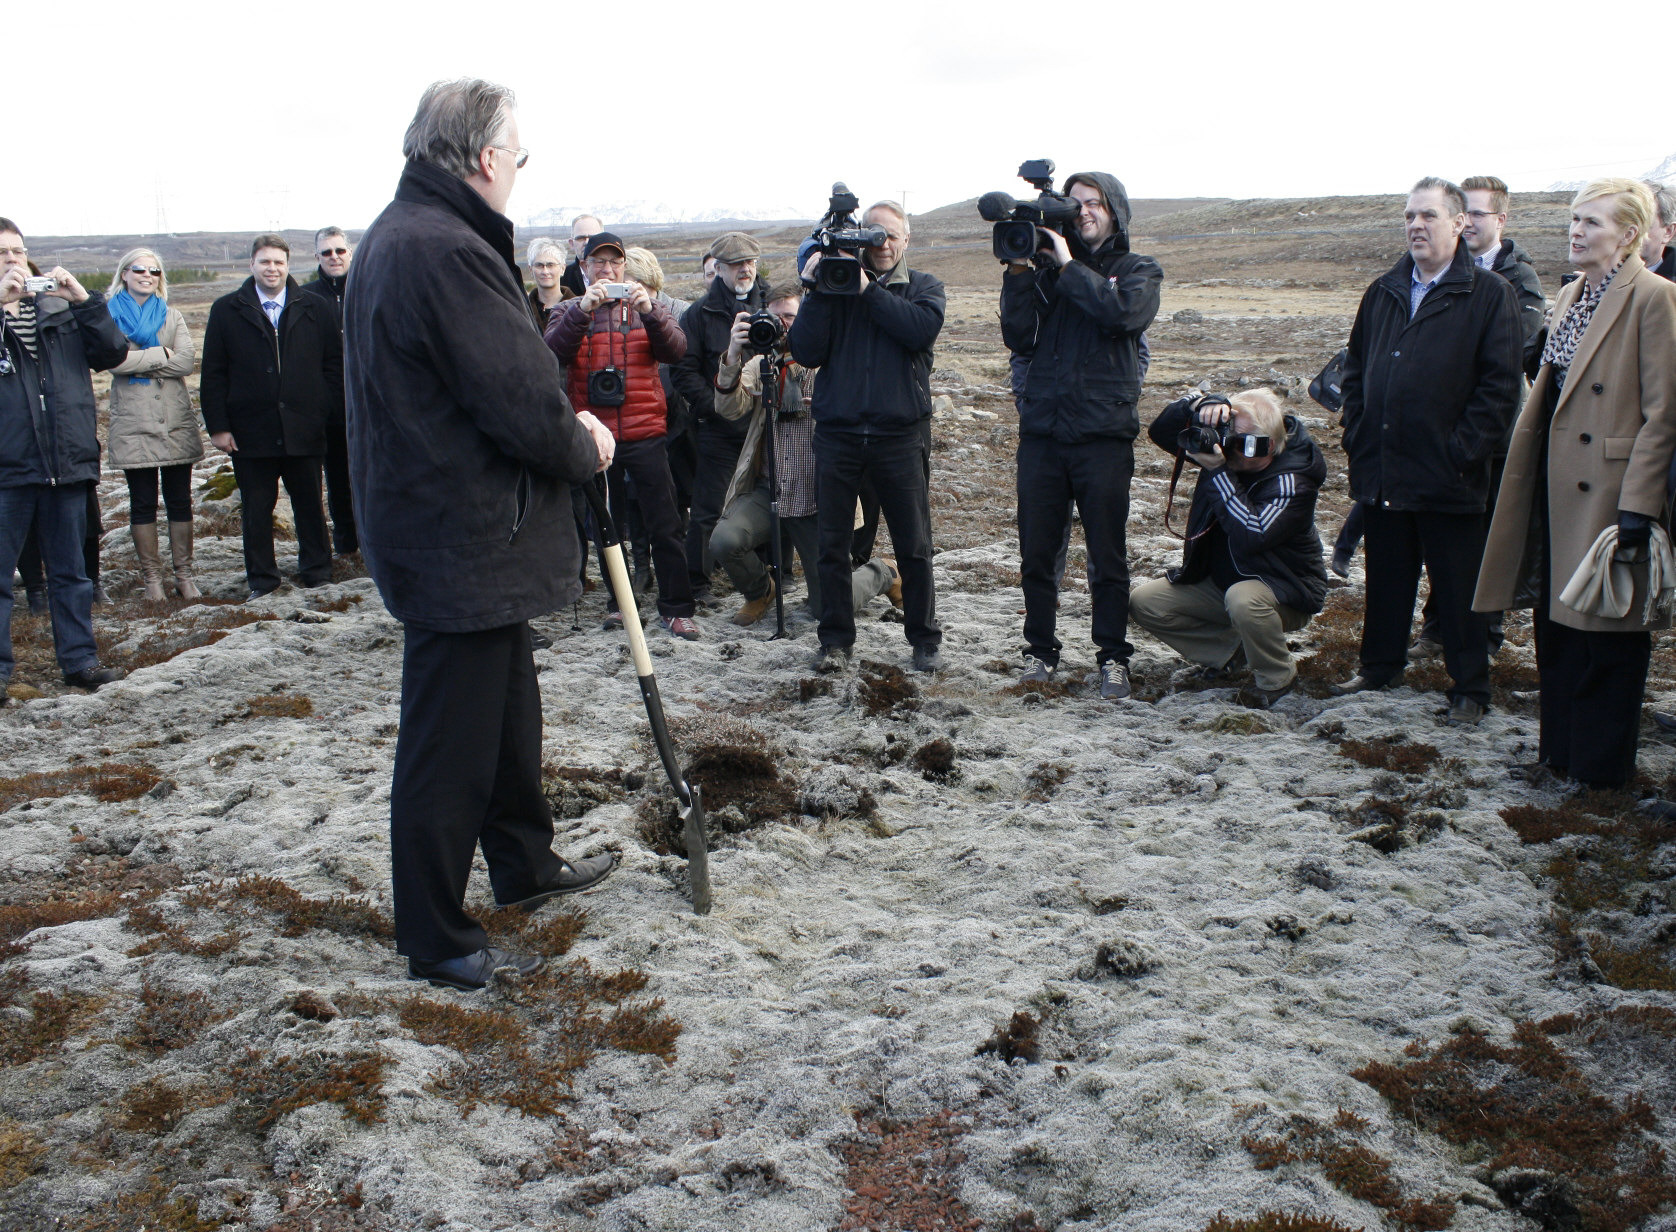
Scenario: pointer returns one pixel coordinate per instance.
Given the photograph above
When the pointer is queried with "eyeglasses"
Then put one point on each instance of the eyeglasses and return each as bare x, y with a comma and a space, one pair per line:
545, 265
334, 252
140, 269
520, 156
19, 253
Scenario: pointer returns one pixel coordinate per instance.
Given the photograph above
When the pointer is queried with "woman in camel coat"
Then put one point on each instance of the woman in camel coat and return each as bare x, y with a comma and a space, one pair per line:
154, 433
1591, 449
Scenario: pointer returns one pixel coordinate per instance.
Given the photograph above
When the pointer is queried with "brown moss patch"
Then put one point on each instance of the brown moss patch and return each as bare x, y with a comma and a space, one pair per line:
902, 1174
1350, 1165
298, 913
341, 604
1335, 635
278, 706
1391, 753
21, 1153
1528, 1108
1277, 1221
575, 791
265, 1087
1016, 1039
935, 761
152, 1107
885, 689
169, 1018
152, 1206
175, 635
109, 782
20, 919
1044, 782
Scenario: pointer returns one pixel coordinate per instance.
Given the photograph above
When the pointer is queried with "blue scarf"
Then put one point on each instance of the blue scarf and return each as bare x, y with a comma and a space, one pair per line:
140, 322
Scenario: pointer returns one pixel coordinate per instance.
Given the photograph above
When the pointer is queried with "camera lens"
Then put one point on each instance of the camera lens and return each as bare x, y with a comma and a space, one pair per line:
605, 388
1014, 241
839, 274
763, 331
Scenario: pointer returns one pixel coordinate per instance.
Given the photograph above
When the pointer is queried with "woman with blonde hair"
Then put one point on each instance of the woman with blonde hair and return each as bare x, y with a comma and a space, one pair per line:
154, 434
1584, 488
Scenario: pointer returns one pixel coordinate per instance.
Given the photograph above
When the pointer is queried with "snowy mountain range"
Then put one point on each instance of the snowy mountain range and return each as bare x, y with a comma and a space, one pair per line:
657, 214
1664, 173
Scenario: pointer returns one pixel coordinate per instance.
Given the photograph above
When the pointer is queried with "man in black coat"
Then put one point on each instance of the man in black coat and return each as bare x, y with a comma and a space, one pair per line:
272, 378
582, 229
463, 448
872, 411
1079, 320
1432, 378
708, 324
1657, 254
334, 251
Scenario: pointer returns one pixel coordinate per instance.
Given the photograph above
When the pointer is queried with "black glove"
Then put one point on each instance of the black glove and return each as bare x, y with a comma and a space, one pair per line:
1635, 532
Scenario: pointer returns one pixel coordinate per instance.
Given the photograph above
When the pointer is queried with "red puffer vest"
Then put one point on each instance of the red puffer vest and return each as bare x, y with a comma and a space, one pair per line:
644, 412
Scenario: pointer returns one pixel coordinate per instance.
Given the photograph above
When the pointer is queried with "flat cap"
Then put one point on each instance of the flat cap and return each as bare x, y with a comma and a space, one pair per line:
735, 246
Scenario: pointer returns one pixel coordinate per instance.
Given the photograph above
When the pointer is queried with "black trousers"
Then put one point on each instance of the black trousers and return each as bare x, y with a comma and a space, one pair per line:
1592, 686
142, 493
1096, 475
338, 500
259, 480
899, 468
467, 775
717, 453
1451, 547
646, 464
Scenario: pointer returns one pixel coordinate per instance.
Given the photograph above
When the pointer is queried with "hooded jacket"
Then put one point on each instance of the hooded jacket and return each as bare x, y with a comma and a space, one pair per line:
1428, 399
47, 412
1080, 328
1268, 516
274, 391
462, 445
707, 323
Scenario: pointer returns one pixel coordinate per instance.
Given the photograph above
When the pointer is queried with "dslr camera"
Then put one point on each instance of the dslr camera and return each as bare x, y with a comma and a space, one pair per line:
763, 331
606, 387
1014, 238
841, 240
1202, 438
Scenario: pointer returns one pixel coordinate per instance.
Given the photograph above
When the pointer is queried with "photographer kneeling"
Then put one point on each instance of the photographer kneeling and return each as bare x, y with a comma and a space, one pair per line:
1251, 569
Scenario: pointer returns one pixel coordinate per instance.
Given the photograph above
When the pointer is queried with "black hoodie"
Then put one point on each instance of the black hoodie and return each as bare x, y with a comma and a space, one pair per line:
1080, 327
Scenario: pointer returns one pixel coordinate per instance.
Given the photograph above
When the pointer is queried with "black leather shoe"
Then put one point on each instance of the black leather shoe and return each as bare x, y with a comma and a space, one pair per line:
1255, 697
928, 659
90, 678
258, 594
539, 640
471, 972
1361, 684
573, 878
832, 659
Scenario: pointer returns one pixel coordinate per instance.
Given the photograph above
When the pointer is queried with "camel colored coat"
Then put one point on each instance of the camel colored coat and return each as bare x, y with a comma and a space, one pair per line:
1610, 437
155, 425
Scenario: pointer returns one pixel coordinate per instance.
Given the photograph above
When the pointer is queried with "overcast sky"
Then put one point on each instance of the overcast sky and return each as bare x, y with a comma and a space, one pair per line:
236, 117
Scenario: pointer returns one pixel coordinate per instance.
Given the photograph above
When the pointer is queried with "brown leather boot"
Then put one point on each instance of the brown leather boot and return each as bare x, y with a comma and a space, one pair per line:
180, 547
755, 609
894, 591
151, 562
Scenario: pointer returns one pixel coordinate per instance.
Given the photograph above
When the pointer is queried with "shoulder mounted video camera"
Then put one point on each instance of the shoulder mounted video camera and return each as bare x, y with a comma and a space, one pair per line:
841, 240
1014, 238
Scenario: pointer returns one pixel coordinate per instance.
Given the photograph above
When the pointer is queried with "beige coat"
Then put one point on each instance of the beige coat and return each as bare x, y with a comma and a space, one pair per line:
1610, 438
155, 425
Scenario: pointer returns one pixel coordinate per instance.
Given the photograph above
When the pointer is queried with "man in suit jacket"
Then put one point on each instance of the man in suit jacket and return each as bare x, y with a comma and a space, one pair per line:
272, 377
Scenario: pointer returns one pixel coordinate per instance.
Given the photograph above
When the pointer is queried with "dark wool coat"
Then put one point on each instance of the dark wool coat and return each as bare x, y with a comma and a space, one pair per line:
1080, 327
462, 446
47, 414
707, 324
274, 394
1427, 400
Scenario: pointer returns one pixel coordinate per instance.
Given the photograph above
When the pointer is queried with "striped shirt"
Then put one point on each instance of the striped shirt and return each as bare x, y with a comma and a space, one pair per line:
22, 323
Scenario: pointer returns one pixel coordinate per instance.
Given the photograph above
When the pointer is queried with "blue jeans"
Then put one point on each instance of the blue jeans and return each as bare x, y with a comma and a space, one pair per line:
59, 515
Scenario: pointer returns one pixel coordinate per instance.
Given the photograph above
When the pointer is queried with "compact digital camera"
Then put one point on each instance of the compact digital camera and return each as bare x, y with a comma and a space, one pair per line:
618, 290
39, 285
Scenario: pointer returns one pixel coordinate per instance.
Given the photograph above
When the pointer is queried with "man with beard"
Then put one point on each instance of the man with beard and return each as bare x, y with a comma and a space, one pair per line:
1079, 319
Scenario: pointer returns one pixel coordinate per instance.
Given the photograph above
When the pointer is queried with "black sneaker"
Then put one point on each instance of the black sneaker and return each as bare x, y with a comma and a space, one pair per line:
928, 659
832, 659
1036, 671
91, 678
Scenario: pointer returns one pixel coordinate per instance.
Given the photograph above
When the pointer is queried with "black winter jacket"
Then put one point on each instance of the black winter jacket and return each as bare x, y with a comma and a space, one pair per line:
329, 289
274, 392
462, 445
1268, 516
1080, 327
47, 411
1514, 264
874, 352
1428, 400
707, 322
1666, 268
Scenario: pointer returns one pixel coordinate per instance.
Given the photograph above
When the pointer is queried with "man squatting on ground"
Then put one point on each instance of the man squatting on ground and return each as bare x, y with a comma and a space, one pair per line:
1078, 322
872, 409
611, 348
1251, 569
747, 519
49, 447
334, 251
463, 447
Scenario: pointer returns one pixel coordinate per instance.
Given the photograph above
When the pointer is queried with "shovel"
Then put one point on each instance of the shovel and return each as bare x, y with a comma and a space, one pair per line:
691, 808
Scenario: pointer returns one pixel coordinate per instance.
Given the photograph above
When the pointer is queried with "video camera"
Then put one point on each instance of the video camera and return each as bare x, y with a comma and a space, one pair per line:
1014, 236
841, 239
1202, 438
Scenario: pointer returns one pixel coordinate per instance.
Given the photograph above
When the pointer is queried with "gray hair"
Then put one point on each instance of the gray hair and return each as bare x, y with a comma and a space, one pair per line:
580, 217
1451, 190
891, 207
456, 121
327, 232
543, 244
1664, 197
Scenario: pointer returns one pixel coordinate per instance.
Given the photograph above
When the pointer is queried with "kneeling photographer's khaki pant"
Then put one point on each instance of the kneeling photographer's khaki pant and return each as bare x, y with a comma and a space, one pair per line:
1206, 624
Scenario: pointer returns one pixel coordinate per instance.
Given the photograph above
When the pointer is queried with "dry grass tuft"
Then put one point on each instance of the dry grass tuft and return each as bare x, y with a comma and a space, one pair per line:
1277, 1221
885, 689
266, 1087
20, 919
902, 1174
935, 761
1350, 1165
153, 1107
1014, 1040
297, 913
109, 782
278, 706
21, 1153
1391, 753
169, 1019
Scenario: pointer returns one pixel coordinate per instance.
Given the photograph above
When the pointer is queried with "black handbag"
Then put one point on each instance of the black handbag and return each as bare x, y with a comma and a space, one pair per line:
1328, 386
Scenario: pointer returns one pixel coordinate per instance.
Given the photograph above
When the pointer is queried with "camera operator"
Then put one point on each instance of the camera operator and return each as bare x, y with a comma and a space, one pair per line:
611, 340
1079, 320
1251, 569
747, 521
872, 409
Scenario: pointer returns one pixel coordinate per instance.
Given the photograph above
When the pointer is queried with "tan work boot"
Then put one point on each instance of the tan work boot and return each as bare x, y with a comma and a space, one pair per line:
755, 609
180, 548
894, 591
151, 563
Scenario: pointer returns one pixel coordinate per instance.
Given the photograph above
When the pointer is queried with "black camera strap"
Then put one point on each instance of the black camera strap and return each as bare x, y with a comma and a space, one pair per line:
1181, 462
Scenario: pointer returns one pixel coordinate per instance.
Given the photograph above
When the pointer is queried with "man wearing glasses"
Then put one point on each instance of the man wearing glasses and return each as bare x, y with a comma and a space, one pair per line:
582, 229
463, 449
334, 251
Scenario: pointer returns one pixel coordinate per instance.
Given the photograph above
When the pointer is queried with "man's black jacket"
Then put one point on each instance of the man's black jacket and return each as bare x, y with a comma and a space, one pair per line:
47, 413
707, 322
1514, 264
874, 352
331, 290
273, 392
1268, 516
1666, 268
572, 280
462, 445
1428, 400
1080, 326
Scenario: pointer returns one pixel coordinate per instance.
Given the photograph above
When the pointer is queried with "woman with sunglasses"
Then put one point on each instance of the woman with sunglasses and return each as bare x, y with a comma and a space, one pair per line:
154, 433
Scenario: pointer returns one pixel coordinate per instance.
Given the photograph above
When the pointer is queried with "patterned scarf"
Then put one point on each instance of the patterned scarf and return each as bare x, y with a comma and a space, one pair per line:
1561, 347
